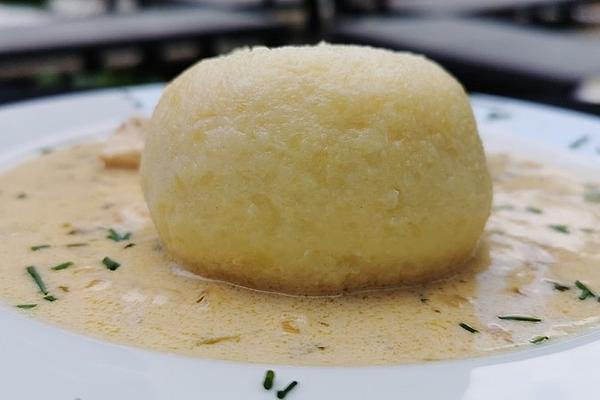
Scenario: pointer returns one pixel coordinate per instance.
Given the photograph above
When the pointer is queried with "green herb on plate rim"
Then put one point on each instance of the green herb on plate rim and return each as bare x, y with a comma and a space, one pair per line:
110, 263
579, 142
560, 228
468, 328
129, 245
62, 266
269, 377
282, 393
534, 210
539, 339
585, 291
522, 318
118, 237
50, 298
26, 306
495, 115
40, 247
32, 271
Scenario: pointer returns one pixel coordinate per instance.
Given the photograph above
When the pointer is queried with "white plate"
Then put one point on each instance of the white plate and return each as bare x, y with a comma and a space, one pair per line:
38, 361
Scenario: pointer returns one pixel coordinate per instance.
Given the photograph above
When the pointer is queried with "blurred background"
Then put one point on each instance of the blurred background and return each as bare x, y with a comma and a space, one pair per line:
542, 50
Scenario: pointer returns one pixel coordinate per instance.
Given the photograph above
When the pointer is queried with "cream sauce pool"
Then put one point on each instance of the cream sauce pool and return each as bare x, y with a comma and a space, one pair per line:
542, 237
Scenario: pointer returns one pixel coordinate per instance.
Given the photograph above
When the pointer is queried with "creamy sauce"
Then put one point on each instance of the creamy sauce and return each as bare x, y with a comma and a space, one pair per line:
542, 230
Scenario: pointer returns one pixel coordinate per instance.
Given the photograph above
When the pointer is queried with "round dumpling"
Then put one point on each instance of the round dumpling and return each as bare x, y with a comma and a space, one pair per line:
316, 169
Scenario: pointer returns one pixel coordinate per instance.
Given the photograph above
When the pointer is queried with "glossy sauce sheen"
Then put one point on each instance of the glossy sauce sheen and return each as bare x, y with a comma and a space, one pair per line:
68, 198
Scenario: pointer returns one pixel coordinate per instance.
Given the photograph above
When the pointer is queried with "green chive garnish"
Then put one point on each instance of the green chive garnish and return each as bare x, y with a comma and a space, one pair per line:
110, 263
116, 236
560, 287
579, 142
50, 298
76, 244
468, 328
282, 393
64, 265
534, 210
39, 247
538, 339
37, 279
585, 291
268, 382
560, 228
26, 306
523, 318
497, 115
129, 245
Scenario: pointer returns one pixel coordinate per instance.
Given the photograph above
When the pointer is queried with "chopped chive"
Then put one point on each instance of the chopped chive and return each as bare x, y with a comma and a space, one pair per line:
76, 244
129, 245
538, 339
495, 115
282, 393
39, 247
579, 142
523, 318
64, 288
560, 287
50, 298
64, 265
268, 382
32, 271
585, 291
468, 328
26, 306
22, 195
534, 210
46, 150
560, 228
110, 263
116, 236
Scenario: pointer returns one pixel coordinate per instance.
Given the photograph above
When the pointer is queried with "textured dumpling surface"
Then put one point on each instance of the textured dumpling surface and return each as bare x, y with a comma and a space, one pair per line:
316, 170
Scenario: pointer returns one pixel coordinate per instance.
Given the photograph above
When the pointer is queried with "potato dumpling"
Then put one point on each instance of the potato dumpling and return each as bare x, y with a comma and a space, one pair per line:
317, 169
